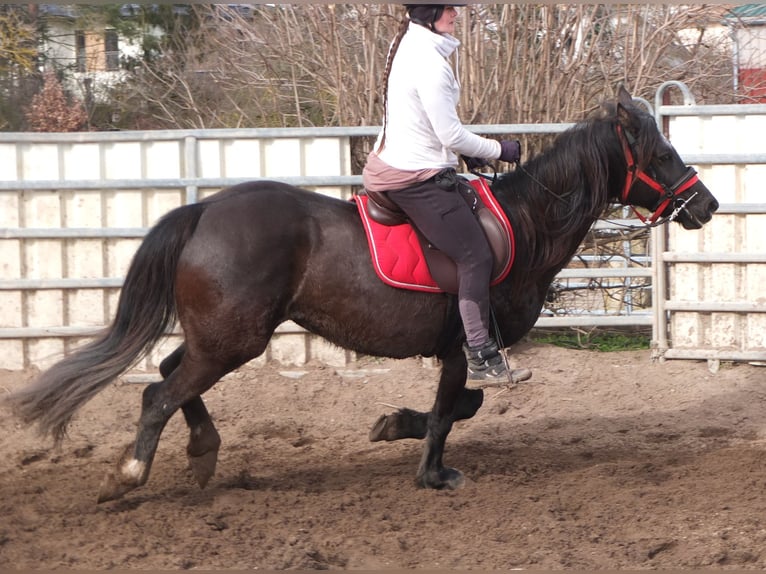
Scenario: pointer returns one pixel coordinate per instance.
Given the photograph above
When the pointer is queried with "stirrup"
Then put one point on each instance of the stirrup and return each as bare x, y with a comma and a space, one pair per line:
510, 377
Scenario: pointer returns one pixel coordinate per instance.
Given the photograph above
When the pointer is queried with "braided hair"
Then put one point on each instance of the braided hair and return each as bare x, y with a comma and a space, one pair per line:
389, 63
424, 14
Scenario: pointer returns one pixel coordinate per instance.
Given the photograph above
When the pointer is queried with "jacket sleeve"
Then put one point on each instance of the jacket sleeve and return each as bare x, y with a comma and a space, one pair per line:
438, 93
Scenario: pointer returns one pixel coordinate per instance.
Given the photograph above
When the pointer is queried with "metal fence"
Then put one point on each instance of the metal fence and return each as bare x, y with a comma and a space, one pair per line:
709, 298
74, 207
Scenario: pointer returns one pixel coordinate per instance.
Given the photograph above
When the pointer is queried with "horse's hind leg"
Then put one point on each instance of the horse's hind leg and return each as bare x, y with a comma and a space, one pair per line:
160, 401
432, 473
204, 440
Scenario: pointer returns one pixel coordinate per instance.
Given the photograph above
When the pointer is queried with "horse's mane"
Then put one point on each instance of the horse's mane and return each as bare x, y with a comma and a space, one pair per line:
557, 195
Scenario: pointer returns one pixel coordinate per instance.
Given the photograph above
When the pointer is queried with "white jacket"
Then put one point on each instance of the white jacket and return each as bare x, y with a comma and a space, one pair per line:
422, 128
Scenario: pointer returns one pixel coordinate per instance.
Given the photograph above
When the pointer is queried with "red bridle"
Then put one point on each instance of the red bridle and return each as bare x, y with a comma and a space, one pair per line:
667, 194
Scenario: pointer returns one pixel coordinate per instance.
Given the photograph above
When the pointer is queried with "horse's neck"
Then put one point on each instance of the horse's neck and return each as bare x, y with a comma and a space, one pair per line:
547, 235
552, 203
539, 257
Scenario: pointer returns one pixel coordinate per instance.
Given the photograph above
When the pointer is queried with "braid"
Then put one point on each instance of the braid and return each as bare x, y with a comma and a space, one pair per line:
389, 63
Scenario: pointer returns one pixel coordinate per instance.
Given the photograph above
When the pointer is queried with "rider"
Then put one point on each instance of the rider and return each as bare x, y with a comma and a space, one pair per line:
414, 161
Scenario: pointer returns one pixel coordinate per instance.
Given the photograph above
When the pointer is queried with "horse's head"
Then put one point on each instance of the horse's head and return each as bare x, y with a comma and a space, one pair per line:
657, 178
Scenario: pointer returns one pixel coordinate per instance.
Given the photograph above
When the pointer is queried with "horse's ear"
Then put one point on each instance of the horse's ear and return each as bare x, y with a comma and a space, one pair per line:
624, 103
623, 96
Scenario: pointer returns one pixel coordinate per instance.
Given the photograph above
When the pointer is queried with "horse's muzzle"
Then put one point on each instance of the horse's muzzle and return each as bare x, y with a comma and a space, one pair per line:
697, 214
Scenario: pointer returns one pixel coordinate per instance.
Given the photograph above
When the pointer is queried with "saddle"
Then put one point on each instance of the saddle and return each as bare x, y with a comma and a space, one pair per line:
404, 258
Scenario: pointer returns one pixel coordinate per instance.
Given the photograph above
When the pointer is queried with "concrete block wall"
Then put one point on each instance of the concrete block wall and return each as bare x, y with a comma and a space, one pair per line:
73, 207
38, 216
728, 233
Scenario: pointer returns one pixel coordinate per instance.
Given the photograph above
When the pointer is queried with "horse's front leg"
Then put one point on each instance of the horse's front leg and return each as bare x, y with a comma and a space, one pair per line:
432, 473
409, 423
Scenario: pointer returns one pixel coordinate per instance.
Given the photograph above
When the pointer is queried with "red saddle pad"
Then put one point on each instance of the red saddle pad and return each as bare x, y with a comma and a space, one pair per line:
398, 256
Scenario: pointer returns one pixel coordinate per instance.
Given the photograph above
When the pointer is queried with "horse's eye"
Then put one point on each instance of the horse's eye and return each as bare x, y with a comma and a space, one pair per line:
664, 157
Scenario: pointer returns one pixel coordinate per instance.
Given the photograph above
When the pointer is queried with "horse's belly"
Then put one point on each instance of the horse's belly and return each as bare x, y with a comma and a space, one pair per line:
380, 321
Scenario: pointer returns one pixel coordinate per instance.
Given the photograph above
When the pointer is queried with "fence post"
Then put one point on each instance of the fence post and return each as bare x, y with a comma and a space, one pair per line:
659, 237
190, 169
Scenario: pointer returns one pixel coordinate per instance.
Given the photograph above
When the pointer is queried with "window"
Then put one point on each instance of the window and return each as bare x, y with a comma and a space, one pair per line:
112, 50
96, 52
79, 48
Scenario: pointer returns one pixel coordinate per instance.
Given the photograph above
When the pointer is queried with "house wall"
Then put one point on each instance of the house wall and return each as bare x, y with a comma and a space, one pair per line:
750, 57
62, 51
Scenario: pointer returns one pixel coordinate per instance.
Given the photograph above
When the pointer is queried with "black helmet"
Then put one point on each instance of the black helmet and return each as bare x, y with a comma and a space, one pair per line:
427, 14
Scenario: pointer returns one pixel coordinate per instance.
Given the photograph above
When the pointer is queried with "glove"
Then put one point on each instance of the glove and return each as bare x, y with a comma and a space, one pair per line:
510, 151
474, 163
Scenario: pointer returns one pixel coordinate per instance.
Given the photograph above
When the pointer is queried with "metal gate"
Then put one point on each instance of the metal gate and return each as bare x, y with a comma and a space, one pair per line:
710, 285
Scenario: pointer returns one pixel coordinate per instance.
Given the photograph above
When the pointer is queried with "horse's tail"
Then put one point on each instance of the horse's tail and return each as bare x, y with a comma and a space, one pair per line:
145, 310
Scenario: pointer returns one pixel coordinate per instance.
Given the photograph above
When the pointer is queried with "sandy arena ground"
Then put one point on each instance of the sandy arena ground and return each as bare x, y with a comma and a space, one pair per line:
601, 461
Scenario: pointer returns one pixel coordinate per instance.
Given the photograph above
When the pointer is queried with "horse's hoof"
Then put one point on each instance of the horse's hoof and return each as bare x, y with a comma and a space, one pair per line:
112, 488
378, 430
404, 423
203, 467
445, 479
129, 474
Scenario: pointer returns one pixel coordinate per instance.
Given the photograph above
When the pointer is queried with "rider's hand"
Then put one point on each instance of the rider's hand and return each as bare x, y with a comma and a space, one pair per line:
510, 151
473, 163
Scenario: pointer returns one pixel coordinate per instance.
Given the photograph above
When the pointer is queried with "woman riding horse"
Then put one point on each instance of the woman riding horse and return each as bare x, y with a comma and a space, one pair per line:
414, 162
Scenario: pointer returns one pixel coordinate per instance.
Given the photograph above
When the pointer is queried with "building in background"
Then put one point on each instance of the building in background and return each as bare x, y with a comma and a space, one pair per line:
747, 23
88, 48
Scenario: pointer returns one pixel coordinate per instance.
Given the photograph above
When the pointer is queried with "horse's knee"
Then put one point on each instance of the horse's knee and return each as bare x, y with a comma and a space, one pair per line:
156, 410
468, 403
147, 396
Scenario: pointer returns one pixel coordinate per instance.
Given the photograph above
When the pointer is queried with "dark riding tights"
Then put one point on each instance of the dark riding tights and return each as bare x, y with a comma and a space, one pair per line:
446, 220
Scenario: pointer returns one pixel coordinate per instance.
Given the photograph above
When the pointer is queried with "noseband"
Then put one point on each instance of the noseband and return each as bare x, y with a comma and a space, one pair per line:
666, 193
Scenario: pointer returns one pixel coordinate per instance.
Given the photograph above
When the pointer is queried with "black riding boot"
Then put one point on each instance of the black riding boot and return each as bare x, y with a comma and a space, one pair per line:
486, 367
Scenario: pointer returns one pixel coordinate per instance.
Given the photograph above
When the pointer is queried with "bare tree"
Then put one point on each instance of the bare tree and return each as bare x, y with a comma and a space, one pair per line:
312, 64
18, 56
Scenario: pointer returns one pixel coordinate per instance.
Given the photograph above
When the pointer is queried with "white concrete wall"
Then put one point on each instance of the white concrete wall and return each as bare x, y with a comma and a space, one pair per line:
731, 233
99, 161
108, 257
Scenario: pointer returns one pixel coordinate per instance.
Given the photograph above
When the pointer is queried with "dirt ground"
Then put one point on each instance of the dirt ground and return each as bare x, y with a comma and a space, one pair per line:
601, 461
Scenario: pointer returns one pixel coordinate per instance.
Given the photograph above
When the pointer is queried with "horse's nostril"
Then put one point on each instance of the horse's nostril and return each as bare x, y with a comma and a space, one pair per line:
714, 205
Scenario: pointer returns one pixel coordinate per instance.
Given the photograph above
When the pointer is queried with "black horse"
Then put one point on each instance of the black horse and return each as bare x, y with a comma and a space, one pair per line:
233, 267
